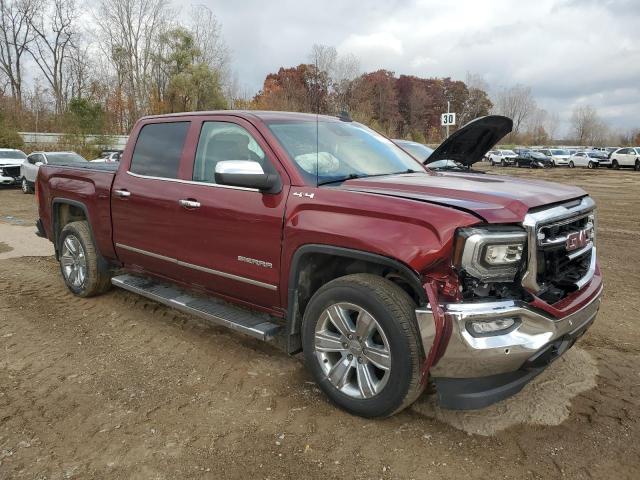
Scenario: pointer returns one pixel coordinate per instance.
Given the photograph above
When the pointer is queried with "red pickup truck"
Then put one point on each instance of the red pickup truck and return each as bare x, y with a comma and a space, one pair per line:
321, 235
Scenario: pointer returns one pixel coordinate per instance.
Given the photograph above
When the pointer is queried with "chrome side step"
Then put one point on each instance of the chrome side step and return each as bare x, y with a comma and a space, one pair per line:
257, 325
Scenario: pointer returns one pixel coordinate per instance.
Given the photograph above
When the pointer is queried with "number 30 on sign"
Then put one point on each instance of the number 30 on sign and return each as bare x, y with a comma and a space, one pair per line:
448, 119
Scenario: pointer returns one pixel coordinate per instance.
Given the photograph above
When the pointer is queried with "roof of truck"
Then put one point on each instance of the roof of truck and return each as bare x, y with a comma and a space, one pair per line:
264, 115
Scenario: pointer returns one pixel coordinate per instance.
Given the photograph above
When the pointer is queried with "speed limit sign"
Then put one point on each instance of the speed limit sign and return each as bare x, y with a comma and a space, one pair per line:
447, 119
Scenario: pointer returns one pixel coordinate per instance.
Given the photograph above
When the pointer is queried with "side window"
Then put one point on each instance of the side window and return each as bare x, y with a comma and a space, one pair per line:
624, 151
158, 149
35, 158
221, 141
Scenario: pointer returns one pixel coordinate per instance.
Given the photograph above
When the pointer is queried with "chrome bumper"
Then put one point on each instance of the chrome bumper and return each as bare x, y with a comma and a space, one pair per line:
467, 356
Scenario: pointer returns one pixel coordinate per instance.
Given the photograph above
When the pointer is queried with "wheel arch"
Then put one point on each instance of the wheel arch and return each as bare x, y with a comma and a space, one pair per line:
313, 265
65, 211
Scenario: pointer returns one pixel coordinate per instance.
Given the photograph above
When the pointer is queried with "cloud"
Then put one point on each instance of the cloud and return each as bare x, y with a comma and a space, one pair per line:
568, 51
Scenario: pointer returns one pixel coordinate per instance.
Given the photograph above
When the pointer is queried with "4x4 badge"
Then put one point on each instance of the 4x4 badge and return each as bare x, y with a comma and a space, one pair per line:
300, 194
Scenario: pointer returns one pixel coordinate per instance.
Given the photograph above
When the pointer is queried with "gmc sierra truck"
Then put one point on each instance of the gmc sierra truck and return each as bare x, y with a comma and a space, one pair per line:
325, 237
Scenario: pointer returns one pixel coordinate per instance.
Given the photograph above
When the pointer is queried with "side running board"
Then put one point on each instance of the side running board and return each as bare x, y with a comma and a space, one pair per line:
257, 325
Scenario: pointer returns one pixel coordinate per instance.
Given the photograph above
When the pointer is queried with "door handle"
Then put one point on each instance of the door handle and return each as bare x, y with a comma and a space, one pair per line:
188, 203
122, 193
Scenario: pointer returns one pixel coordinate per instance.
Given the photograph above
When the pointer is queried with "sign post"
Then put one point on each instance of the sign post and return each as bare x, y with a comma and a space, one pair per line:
448, 118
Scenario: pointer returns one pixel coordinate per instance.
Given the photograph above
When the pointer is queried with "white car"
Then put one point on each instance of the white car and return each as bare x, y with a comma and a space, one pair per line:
591, 159
10, 161
110, 156
626, 157
558, 156
503, 157
29, 168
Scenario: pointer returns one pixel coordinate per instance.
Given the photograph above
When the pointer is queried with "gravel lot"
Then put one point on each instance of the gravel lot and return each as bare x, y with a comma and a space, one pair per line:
120, 387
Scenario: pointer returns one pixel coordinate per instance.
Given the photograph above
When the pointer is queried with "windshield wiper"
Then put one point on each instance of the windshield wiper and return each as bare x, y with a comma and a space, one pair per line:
351, 176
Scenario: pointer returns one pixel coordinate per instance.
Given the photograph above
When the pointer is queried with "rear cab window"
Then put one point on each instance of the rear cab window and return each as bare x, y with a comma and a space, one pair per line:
159, 148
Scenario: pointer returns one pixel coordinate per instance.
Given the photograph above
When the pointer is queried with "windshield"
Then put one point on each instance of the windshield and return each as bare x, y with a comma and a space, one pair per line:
59, 158
335, 151
417, 150
538, 156
13, 154
597, 155
559, 152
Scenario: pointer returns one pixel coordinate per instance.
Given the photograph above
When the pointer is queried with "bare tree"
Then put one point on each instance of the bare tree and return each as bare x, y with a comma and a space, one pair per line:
16, 34
130, 31
551, 125
586, 126
516, 103
54, 28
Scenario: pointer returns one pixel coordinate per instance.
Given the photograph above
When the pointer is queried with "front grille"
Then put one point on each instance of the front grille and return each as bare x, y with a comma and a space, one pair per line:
11, 172
562, 256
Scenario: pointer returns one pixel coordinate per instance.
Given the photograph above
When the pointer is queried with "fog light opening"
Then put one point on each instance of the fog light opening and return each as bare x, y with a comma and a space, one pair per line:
487, 328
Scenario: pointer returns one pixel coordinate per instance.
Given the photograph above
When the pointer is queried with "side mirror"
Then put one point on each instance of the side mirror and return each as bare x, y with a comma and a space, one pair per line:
39, 164
247, 174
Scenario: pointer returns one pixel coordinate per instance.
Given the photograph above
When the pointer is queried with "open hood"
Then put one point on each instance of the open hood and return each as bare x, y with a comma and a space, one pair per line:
469, 143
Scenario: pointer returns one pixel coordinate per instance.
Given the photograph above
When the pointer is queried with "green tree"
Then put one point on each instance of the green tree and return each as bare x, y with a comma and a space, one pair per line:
9, 136
84, 116
192, 84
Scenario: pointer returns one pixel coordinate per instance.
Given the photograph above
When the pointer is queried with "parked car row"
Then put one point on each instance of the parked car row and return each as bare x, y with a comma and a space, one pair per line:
556, 157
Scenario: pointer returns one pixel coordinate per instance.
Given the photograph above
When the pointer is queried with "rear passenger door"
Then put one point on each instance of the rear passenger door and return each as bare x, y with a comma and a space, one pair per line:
147, 229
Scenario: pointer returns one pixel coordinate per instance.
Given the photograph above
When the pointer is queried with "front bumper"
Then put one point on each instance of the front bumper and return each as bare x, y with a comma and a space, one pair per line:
4, 180
477, 371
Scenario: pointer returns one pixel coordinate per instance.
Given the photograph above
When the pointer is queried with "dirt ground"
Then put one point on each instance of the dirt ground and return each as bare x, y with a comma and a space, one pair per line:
120, 387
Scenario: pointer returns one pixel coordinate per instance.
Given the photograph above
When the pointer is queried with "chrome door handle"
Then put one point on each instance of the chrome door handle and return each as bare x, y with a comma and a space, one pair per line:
122, 193
189, 203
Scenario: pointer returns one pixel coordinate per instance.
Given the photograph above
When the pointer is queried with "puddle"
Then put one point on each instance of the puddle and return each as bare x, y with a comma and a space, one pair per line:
544, 401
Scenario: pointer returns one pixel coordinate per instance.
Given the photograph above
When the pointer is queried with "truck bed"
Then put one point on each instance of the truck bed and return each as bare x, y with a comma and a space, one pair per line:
86, 185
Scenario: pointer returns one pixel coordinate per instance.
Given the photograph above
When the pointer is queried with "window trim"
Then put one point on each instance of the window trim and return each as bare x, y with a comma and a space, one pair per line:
191, 182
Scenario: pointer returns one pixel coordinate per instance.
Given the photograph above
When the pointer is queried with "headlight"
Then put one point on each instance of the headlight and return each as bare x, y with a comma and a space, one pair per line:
490, 255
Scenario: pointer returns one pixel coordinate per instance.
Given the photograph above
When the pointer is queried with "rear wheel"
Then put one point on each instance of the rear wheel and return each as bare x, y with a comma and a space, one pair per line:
362, 346
84, 272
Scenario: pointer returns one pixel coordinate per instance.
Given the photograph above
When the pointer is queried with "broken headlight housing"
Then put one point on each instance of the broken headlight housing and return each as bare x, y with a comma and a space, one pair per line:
490, 255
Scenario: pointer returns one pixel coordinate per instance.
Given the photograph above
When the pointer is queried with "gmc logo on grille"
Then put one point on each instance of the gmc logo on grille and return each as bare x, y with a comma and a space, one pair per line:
576, 240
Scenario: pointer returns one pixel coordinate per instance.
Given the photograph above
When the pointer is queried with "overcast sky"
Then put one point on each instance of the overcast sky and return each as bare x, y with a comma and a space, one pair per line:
568, 51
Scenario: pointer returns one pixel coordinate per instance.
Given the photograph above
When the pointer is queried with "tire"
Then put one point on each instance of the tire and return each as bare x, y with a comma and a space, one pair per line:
615, 165
25, 187
590, 165
364, 296
571, 164
637, 165
92, 276
502, 164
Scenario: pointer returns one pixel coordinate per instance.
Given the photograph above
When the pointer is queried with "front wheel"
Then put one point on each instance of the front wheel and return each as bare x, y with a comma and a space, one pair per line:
84, 272
24, 186
361, 344
615, 165
571, 164
637, 165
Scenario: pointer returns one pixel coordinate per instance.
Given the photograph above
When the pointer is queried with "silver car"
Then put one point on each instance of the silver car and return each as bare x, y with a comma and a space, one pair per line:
30, 166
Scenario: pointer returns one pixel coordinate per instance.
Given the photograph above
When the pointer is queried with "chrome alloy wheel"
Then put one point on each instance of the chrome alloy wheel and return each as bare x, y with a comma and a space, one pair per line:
353, 350
74, 263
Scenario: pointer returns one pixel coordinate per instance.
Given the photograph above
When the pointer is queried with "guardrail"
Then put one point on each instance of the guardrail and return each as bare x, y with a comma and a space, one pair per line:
104, 141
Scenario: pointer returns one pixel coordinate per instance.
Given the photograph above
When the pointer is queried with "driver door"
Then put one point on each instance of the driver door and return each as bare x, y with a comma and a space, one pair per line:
232, 236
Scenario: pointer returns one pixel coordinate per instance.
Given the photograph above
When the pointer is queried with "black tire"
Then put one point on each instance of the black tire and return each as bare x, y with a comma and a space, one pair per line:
590, 165
98, 276
394, 311
25, 187
571, 164
637, 165
615, 165
502, 164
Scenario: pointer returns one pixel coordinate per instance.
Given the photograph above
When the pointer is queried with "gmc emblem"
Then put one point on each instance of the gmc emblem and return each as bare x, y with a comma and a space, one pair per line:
576, 240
